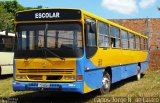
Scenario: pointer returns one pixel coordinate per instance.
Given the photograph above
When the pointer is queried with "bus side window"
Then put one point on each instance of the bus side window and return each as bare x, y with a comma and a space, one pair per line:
124, 36
1, 44
131, 41
6, 44
137, 42
103, 34
115, 37
113, 42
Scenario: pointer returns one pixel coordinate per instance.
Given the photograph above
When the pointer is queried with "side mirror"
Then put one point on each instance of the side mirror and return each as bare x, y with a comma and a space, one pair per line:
92, 27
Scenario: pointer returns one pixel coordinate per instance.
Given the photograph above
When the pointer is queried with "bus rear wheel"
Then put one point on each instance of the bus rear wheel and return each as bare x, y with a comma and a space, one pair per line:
106, 83
138, 72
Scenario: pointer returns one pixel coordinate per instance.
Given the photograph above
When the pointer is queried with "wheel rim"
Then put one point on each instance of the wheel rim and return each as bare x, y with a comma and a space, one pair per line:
138, 73
105, 83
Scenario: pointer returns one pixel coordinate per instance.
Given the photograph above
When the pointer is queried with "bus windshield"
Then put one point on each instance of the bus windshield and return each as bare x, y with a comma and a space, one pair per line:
63, 39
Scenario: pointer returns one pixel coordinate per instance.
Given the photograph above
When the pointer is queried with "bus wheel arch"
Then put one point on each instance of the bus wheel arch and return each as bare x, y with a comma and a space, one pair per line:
138, 76
106, 81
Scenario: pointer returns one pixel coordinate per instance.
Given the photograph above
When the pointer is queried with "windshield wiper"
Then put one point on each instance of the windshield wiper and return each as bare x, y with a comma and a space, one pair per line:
46, 49
54, 54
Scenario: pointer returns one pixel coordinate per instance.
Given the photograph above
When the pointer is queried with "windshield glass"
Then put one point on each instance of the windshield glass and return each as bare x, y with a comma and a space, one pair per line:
63, 39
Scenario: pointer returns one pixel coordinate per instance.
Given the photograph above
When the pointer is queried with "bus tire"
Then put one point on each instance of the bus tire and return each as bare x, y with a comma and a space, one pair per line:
106, 83
138, 76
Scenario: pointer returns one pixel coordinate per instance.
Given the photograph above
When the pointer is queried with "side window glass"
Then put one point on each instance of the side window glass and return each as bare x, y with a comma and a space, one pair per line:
124, 36
142, 43
103, 40
137, 43
131, 41
6, 43
115, 37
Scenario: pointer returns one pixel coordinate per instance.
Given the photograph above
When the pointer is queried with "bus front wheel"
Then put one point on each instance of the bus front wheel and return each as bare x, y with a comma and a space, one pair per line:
138, 72
106, 83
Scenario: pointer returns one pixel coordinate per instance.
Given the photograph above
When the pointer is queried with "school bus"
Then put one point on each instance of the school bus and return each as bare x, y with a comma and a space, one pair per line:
72, 50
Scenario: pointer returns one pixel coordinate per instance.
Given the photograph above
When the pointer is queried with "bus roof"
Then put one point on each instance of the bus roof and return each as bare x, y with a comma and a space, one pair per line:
96, 17
111, 23
49, 8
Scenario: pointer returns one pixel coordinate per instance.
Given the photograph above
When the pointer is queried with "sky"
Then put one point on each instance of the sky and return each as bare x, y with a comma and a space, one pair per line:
109, 9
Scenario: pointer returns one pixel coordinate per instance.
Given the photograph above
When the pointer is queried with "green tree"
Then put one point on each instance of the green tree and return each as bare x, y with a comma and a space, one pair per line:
12, 6
4, 17
7, 13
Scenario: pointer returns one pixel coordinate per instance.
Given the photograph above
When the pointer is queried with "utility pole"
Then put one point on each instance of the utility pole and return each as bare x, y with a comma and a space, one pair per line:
147, 26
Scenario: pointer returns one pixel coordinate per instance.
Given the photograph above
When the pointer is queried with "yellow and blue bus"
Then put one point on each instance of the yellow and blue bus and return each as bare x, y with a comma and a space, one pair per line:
72, 50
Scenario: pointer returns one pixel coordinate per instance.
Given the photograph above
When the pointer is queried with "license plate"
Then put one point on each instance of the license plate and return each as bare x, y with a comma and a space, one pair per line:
44, 85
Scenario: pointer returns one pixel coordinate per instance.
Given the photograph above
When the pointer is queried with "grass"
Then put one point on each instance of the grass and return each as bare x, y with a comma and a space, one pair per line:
148, 86
6, 87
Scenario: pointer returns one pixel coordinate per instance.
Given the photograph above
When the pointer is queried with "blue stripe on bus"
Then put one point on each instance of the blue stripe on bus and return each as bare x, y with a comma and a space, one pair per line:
80, 62
93, 78
123, 72
144, 66
65, 87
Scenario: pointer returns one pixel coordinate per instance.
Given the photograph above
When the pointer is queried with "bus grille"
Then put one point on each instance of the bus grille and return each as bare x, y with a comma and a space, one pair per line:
47, 71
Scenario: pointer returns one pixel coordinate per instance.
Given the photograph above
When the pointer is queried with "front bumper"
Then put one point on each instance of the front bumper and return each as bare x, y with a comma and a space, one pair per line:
61, 87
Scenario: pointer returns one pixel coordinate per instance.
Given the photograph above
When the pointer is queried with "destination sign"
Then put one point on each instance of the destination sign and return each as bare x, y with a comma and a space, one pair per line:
49, 14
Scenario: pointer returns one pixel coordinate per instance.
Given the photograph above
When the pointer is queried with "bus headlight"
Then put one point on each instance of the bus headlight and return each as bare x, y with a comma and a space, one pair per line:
70, 77
20, 77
